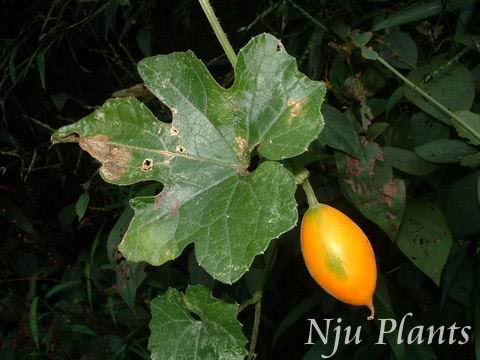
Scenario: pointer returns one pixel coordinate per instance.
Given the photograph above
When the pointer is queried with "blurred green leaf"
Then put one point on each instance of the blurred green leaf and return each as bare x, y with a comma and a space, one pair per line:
339, 132
444, 151
144, 41
451, 85
394, 99
83, 329
82, 205
419, 10
40, 59
62, 287
116, 234
409, 132
67, 215
360, 39
399, 49
195, 325
472, 120
376, 129
129, 278
425, 238
368, 53
407, 161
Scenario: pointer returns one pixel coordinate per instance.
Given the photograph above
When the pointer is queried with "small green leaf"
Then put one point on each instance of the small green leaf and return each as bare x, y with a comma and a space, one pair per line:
451, 85
394, 99
339, 132
369, 54
82, 205
425, 238
213, 332
144, 41
62, 286
418, 11
83, 329
369, 185
376, 129
473, 121
360, 39
444, 151
407, 161
210, 196
399, 49
129, 278
40, 60
116, 233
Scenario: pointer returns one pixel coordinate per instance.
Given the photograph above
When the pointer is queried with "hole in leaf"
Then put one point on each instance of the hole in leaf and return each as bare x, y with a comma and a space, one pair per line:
195, 316
254, 162
173, 131
147, 165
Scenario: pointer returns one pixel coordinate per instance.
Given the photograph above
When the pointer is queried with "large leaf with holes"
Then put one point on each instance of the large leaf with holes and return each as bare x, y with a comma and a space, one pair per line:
195, 325
369, 184
425, 238
210, 196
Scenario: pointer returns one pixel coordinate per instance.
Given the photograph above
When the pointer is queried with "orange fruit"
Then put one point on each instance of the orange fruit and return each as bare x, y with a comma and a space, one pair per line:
339, 256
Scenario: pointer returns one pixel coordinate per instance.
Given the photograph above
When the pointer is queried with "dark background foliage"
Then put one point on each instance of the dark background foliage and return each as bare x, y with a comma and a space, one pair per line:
66, 293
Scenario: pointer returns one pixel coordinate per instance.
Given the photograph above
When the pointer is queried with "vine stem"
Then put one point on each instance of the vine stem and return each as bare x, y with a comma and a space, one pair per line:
217, 29
419, 90
311, 198
256, 326
301, 177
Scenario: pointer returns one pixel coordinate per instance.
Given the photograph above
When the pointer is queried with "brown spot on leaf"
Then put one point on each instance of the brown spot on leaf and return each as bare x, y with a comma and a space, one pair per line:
353, 167
241, 142
180, 149
390, 216
295, 107
114, 158
166, 198
389, 192
160, 198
